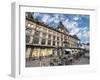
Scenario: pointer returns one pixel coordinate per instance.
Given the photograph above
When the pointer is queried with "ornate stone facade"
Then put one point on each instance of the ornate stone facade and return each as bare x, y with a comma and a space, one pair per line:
41, 39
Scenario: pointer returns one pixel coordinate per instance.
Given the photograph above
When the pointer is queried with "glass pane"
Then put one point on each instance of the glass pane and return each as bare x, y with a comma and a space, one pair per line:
43, 41
35, 40
49, 42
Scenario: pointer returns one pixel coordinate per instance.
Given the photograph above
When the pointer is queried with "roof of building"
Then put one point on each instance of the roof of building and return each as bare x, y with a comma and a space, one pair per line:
55, 29
62, 26
75, 36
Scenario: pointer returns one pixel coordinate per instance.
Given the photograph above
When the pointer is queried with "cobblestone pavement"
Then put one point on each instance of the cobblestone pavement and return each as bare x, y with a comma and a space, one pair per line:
38, 63
82, 60
45, 62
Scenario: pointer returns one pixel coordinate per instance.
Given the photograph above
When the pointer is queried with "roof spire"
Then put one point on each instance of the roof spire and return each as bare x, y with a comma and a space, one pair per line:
61, 26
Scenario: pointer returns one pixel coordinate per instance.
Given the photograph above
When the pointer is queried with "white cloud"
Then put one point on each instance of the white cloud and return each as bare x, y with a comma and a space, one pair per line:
66, 23
50, 20
71, 26
81, 32
56, 21
56, 16
79, 35
62, 17
36, 14
45, 18
74, 31
76, 18
84, 35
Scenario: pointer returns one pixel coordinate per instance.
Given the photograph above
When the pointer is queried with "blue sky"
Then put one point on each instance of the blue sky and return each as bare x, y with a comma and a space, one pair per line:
75, 23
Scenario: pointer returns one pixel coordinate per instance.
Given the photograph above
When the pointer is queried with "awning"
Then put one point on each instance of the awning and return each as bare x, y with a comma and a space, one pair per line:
67, 49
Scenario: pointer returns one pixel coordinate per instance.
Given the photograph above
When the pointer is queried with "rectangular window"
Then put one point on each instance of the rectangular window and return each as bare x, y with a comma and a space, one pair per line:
49, 42
44, 35
37, 33
61, 43
36, 40
49, 36
54, 37
65, 39
54, 43
28, 31
43, 41
27, 38
57, 38
50, 31
57, 43
61, 39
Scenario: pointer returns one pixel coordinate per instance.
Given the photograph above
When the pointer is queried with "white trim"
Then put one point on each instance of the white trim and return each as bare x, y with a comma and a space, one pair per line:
15, 40
18, 61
